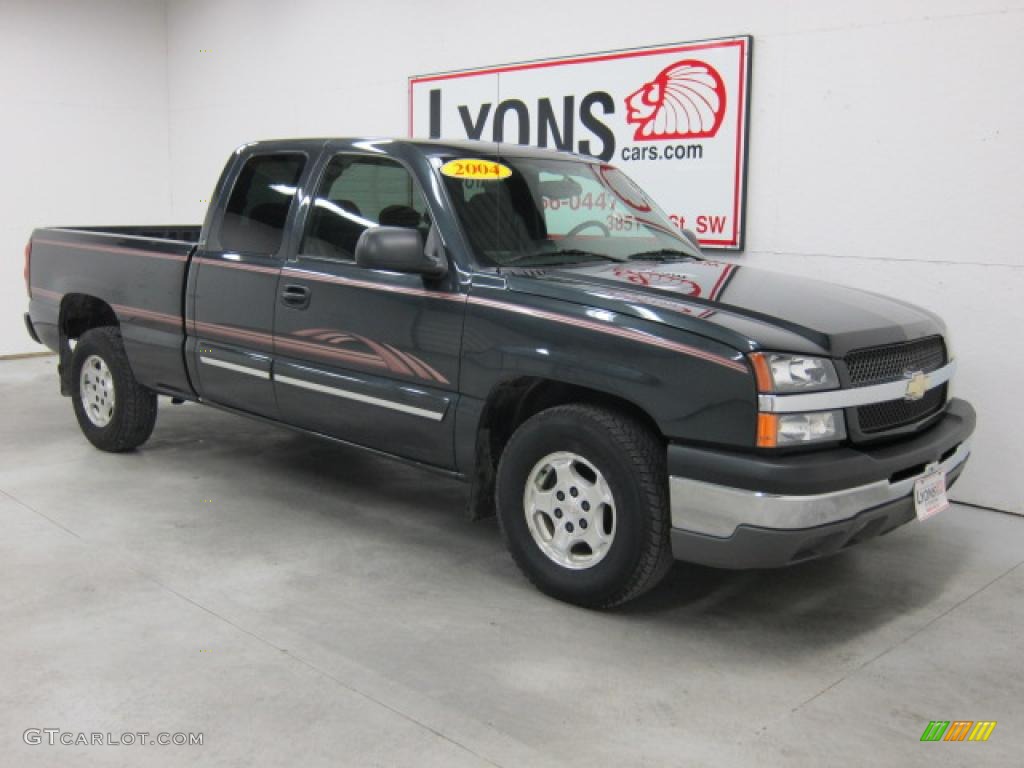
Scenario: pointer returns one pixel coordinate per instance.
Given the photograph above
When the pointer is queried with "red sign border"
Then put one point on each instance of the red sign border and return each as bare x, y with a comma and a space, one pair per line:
743, 42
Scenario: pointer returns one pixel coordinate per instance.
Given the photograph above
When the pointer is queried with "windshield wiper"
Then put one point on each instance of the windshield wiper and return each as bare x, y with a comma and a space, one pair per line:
662, 254
570, 252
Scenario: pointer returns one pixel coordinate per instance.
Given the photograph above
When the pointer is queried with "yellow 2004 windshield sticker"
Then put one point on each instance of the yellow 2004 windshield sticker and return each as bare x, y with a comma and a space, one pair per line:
472, 168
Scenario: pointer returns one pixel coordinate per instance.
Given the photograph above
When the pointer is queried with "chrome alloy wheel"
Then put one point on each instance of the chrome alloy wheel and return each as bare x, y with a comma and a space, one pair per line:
570, 511
96, 388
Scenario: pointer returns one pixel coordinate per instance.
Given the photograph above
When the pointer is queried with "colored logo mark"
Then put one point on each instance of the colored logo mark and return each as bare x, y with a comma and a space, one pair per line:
958, 730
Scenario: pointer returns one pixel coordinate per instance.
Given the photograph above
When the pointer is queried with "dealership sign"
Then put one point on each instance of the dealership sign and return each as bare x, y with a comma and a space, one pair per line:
673, 117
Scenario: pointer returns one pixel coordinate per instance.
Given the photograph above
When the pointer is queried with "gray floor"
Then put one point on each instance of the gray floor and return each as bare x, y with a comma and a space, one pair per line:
304, 604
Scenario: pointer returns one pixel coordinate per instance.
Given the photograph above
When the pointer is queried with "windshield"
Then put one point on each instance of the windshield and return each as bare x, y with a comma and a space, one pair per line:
536, 211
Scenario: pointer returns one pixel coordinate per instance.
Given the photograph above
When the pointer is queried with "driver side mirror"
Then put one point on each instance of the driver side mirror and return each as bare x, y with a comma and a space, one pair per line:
399, 249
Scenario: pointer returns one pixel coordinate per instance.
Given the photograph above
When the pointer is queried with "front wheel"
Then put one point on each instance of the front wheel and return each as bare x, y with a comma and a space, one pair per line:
583, 505
114, 411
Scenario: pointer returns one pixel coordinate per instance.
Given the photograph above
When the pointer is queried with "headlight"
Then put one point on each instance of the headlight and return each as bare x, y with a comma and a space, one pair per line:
781, 430
776, 372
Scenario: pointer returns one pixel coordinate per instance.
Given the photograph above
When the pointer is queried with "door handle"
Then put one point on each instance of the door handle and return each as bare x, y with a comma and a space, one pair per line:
295, 296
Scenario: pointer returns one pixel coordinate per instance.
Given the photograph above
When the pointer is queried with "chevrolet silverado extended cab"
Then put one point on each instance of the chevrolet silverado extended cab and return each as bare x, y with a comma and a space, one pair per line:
531, 322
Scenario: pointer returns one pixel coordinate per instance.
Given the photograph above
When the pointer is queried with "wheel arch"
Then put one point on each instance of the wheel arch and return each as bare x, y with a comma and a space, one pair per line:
79, 312
511, 402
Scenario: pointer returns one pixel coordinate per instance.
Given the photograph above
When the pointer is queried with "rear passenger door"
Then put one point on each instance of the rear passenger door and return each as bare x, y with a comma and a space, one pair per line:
234, 294
367, 356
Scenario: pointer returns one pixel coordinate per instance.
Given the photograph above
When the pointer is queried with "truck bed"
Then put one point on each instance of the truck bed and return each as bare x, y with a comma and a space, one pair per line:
139, 271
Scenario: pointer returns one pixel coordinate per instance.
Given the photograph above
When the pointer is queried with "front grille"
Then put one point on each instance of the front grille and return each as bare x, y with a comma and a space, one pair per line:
878, 365
891, 414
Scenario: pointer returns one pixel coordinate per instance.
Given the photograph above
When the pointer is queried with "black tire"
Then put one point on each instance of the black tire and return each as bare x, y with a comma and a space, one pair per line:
134, 410
632, 460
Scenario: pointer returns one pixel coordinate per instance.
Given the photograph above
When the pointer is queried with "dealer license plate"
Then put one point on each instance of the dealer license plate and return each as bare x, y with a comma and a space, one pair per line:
930, 495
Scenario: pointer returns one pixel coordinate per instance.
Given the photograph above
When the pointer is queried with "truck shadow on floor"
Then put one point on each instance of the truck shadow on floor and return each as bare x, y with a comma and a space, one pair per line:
814, 604
825, 601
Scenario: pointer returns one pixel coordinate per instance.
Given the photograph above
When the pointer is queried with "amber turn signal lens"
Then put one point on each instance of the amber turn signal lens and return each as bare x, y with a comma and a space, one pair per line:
767, 430
762, 372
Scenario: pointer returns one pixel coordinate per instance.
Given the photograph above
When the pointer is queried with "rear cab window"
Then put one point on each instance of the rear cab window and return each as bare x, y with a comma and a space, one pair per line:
257, 211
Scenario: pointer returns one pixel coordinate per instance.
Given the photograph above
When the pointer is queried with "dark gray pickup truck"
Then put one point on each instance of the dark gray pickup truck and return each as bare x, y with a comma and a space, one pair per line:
529, 321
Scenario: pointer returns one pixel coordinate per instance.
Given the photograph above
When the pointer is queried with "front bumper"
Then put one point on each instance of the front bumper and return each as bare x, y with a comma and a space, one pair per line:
733, 510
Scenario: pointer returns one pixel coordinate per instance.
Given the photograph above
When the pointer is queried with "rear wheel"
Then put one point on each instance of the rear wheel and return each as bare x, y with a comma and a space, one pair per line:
114, 411
583, 505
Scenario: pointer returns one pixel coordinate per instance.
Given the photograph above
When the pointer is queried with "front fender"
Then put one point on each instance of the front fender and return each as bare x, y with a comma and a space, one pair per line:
693, 388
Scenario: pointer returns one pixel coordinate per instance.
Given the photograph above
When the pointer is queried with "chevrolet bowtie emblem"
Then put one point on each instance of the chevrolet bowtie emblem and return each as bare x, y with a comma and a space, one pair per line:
917, 385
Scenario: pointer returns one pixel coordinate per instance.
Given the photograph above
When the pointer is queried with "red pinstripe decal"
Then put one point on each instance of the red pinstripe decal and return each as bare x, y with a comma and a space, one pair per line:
420, 365
721, 281
228, 331
625, 333
410, 361
43, 292
393, 358
321, 277
121, 309
633, 297
269, 341
401, 362
148, 314
352, 356
114, 250
239, 265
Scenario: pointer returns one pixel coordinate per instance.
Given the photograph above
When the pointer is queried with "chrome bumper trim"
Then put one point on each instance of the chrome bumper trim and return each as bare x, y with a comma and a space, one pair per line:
716, 510
849, 398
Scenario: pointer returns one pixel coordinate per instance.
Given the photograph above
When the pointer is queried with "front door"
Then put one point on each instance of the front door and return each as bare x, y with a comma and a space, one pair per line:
235, 289
367, 356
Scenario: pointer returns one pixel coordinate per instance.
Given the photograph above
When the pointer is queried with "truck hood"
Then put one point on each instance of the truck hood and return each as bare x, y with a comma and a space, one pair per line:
744, 307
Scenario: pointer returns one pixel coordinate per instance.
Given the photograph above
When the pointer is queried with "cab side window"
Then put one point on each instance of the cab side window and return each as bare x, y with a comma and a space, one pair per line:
257, 210
358, 192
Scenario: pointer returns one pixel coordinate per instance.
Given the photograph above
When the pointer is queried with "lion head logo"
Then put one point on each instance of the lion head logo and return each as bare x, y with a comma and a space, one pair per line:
685, 101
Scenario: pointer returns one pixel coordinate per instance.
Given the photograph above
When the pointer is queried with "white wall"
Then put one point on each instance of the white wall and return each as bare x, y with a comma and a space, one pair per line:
885, 146
83, 94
